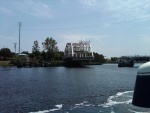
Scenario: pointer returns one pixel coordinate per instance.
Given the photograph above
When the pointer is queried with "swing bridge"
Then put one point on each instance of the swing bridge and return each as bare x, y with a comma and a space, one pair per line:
76, 53
128, 61
136, 58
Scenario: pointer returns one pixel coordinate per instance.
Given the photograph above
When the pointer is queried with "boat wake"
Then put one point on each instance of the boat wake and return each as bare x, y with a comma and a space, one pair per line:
57, 107
122, 103
118, 103
119, 98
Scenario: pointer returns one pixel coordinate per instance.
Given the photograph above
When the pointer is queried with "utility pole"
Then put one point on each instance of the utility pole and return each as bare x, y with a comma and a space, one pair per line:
19, 23
15, 47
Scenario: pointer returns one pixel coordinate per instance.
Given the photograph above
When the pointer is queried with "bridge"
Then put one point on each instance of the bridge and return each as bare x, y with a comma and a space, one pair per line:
77, 53
136, 58
128, 61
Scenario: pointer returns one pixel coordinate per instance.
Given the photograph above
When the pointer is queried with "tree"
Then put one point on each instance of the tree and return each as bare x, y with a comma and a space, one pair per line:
51, 49
99, 57
43, 54
36, 48
50, 45
114, 59
61, 54
5, 53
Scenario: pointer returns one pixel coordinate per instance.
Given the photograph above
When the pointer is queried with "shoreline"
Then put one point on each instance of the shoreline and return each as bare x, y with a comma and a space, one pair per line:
46, 64
5, 63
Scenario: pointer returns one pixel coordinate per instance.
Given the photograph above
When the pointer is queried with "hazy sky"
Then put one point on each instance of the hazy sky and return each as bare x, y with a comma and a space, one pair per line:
114, 27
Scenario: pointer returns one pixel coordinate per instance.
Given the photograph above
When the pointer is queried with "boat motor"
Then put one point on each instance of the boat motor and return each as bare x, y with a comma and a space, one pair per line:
141, 96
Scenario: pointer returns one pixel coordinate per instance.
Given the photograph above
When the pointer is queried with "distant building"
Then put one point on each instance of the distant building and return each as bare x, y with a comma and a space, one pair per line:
23, 56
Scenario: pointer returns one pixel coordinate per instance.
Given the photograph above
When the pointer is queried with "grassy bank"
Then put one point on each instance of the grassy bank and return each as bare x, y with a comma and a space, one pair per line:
5, 63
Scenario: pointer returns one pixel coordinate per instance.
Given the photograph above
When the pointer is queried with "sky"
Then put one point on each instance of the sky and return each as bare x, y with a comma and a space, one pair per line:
114, 27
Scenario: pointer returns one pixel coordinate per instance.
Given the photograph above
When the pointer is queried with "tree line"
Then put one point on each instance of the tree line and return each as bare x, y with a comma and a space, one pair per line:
50, 50
49, 53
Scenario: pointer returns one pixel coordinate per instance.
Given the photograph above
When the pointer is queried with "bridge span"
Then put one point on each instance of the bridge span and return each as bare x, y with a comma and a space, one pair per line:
128, 61
136, 58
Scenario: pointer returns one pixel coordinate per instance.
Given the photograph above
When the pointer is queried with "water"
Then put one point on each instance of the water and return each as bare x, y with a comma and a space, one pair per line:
94, 89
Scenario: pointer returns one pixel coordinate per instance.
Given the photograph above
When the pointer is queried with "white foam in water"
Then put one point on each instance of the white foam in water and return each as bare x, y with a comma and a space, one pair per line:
138, 112
112, 112
59, 106
80, 105
124, 100
112, 100
46, 111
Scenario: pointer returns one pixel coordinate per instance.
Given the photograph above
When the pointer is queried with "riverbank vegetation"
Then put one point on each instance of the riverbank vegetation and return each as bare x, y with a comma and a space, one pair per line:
50, 55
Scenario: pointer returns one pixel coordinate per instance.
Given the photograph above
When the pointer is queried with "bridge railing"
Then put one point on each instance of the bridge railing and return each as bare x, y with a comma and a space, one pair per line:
130, 56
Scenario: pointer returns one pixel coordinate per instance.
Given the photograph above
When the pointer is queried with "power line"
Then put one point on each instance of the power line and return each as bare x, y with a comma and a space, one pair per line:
19, 23
15, 46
